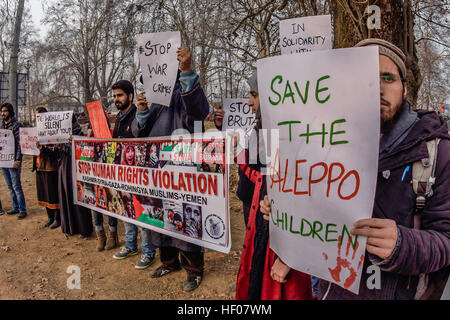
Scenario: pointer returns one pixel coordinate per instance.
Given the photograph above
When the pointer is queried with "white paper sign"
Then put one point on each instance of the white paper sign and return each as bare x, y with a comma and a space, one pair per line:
28, 139
54, 127
159, 64
7, 148
305, 34
322, 177
238, 116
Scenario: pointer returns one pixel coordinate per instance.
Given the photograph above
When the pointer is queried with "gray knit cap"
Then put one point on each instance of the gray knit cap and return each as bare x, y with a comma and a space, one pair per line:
387, 49
253, 82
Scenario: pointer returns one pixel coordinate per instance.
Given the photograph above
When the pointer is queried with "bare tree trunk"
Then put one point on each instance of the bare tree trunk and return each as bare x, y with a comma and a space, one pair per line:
397, 26
15, 57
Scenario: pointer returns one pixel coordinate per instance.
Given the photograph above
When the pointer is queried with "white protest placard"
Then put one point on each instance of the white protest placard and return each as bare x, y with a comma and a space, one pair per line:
238, 116
159, 64
28, 139
7, 148
54, 127
322, 176
305, 34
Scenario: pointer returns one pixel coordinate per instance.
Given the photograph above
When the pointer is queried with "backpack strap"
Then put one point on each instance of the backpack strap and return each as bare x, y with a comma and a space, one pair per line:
423, 178
423, 175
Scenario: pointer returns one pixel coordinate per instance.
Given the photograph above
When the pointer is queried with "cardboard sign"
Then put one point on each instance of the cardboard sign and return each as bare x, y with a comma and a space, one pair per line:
238, 116
54, 127
176, 188
159, 64
28, 139
98, 121
7, 148
305, 34
322, 177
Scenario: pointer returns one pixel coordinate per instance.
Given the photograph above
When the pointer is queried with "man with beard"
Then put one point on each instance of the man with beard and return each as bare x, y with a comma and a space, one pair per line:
12, 175
123, 93
188, 104
409, 241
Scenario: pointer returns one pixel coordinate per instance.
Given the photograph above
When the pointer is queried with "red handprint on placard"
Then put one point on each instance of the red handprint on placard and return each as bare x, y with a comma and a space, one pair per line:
344, 263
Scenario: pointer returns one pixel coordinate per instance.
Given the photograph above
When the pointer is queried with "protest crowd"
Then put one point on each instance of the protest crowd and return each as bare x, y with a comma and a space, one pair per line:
406, 232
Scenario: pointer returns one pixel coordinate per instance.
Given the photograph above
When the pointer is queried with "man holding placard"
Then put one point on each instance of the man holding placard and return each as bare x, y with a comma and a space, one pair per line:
408, 244
187, 104
12, 175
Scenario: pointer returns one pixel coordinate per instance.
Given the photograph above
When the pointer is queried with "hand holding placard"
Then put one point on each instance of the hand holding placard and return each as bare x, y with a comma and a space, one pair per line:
185, 58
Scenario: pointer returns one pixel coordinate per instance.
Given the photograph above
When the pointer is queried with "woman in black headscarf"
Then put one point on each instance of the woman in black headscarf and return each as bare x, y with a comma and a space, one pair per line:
74, 219
46, 167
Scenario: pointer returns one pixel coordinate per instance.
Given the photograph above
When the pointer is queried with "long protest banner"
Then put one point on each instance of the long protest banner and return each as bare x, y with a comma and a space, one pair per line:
28, 139
7, 148
322, 177
178, 188
54, 127
159, 65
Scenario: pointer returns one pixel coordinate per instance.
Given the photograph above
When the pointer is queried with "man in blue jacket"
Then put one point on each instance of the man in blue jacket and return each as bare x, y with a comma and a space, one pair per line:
187, 105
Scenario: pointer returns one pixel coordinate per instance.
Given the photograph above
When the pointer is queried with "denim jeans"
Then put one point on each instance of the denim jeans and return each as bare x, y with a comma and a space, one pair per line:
98, 220
12, 178
131, 231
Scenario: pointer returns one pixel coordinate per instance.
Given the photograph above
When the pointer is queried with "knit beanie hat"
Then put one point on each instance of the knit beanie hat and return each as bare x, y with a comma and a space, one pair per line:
253, 82
387, 49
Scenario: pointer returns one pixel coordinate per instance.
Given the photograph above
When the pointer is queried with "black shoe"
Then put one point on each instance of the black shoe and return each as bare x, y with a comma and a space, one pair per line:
192, 283
49, 223
22, 215
12, 211
55, 225
162, 271
2, 212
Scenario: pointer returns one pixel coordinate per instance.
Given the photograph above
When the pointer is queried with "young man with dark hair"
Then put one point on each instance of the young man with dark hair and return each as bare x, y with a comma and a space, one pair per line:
123, 93
12, 175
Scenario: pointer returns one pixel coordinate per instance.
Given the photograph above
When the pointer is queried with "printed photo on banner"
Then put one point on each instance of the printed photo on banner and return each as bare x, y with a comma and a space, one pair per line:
7, 148
305, 34
54, 127
322, 177
159, 64
28, 140
179, 188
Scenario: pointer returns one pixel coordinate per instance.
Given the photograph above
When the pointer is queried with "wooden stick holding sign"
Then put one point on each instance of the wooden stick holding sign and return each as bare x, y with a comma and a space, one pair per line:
159, 65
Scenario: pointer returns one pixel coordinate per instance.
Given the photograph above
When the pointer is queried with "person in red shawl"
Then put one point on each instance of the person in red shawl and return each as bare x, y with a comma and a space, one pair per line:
262, 275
